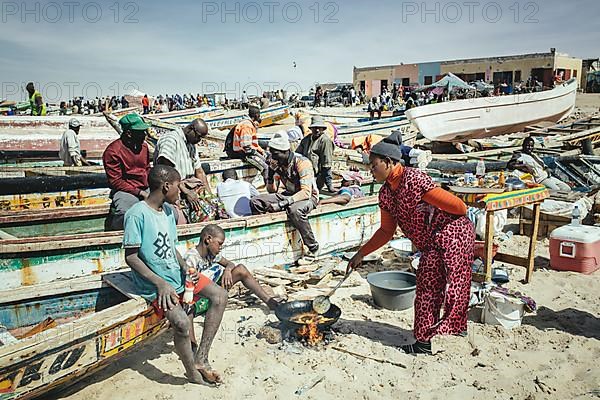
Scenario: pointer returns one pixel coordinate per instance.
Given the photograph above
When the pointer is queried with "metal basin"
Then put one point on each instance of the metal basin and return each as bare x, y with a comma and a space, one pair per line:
393, 290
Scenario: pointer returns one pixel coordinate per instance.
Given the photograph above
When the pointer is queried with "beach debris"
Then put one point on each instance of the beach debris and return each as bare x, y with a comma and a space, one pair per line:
365, 357
309, 386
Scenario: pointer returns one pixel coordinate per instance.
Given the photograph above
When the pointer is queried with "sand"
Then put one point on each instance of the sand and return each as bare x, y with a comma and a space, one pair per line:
551, 356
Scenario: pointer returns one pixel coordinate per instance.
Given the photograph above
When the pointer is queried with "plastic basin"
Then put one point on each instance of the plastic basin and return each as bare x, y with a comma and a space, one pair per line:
393, 290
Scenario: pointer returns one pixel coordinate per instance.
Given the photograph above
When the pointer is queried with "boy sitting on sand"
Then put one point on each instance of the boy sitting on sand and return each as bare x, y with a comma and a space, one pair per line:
206, 259
159, 272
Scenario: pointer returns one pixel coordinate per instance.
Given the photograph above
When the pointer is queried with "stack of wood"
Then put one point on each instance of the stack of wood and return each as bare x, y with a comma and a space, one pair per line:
295, 283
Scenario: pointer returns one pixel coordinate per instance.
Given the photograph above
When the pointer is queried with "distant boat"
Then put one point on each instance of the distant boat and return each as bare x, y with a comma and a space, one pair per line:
461, 120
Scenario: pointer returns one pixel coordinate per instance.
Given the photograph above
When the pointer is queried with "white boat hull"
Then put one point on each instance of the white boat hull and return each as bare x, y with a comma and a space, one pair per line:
461, 120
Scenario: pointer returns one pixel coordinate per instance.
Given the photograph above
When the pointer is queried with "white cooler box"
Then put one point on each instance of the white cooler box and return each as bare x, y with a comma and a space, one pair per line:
575, 248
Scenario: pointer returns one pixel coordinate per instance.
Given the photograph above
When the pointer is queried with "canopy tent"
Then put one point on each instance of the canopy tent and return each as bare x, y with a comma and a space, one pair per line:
450, 82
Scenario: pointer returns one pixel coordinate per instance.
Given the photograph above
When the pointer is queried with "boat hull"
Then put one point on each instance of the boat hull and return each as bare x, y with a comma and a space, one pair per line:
62, 355
461, 120
256, 241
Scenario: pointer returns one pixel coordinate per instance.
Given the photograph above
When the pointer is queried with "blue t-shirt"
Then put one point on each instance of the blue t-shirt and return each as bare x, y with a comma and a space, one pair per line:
155, 234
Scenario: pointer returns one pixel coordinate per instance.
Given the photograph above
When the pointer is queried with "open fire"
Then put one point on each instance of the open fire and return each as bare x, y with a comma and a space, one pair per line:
310, 332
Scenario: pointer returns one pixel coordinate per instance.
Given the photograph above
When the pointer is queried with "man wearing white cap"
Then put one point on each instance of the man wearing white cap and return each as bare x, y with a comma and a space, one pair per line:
70, 150
300, 195
318, 148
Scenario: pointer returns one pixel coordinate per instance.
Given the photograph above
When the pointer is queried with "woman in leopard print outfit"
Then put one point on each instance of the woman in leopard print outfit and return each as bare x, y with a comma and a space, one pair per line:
434, 220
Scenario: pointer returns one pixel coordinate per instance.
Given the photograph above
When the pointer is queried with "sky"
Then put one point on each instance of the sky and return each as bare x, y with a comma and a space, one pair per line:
107, 47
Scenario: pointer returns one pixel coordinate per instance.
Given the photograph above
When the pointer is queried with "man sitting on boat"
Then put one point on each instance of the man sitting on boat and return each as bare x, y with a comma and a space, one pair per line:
235, 194
127, 162
159, 272
300, 196
242, 142
70, 150
206, 258
350, 189
177, 149
318, 148
529, 162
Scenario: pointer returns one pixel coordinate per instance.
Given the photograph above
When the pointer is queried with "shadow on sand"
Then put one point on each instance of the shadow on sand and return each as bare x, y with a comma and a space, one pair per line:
568, 320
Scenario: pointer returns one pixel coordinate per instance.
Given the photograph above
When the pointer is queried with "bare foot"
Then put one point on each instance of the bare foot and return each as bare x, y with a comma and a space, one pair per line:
197, 378
209, 374
273, 303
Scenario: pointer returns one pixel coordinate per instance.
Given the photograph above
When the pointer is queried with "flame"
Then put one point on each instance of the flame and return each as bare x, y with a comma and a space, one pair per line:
311, 333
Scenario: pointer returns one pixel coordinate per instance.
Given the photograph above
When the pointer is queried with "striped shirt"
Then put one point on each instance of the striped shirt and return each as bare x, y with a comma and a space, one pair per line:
244, 135
298, 177
174, 147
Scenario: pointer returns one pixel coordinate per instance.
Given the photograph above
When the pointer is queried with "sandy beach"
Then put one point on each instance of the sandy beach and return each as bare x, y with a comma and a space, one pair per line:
551, 356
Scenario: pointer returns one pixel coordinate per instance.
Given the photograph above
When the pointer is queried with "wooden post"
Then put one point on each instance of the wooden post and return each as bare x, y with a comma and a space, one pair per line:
489, 244
533, 242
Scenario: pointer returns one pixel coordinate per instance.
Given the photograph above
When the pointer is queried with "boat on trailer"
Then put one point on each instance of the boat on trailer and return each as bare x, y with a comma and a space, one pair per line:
462, 120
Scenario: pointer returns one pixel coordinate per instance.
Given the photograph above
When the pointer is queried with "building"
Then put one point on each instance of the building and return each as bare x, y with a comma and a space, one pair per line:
518, 68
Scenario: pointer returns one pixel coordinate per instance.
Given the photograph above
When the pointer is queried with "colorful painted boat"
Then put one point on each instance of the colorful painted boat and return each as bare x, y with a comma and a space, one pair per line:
59, 333
257, 241
269, 116
348, 118
461, 120
190, 113
35, 191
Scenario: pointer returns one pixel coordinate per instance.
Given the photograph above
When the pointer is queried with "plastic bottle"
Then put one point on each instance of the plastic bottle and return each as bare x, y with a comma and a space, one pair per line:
576, 216
480, 170
188, 294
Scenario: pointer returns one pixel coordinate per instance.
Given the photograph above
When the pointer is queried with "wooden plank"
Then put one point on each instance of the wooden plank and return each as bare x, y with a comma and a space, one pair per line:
489, 244
123, 282
510, 259
273, 273
533, 242
322, 271
52, 288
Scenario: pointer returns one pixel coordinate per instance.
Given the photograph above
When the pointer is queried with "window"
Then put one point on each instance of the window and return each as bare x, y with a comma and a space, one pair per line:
574, 73
362, 86
517, 76
384, 84
405, 81
428, 80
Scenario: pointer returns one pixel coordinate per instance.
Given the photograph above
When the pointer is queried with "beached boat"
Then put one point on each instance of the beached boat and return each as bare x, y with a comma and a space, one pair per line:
190, 113
348, 118
461, 120
59, 333
30, 188
257, 241
269, 116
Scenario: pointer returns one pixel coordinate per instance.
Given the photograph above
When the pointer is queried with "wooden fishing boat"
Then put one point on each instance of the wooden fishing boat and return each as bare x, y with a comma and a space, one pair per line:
256, 241
204, 112
65, 187
461, 120
269, 116
61, 332
348, 118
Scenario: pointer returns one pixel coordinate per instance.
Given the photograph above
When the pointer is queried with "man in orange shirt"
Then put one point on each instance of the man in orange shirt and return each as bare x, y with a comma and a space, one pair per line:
242, 143
146, 104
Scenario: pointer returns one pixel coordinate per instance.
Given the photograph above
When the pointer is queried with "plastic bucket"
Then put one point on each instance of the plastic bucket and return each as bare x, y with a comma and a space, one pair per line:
502, 310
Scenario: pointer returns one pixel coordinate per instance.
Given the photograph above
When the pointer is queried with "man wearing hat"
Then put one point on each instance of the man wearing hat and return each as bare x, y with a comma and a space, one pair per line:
70, 150
318, 148
127, 162
242, 142
300, 196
